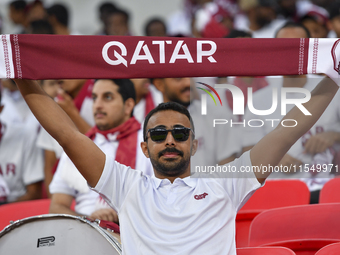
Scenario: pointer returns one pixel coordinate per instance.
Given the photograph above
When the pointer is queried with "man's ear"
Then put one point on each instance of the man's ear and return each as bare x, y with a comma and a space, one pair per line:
129, 105
144, 147
159, 84
194, 147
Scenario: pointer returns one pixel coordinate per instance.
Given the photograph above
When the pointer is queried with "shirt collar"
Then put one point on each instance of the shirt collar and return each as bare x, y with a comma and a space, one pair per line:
191, 182
101, 139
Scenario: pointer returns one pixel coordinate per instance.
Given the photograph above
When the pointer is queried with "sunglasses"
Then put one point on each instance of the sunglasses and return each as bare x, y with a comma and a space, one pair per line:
180, 134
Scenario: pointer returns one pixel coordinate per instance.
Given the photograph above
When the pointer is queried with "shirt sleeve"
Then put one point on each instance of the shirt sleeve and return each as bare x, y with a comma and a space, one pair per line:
47, 142
58, 185
116, 181
240, 182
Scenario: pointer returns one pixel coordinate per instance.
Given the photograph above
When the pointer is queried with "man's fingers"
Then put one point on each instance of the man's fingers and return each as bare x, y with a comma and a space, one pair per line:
320, 142
105, 214
312, 145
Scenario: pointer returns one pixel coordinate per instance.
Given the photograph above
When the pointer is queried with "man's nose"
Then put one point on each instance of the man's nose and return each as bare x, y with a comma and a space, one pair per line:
186, 81
169, 140
97, 104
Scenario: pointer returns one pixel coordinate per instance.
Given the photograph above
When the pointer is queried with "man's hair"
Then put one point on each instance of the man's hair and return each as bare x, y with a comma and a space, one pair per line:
41, 27
169, 106
18, 5
291, 24
60, 12
125, 88
107, 7
152, 21
238, 33
125, 14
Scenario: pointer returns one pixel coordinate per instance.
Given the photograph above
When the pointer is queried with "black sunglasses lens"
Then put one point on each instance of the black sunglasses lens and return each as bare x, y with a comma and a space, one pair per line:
181, 134
158, 135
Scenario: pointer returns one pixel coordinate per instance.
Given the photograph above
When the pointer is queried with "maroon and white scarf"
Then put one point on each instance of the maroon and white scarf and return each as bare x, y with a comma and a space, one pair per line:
126, 134
67, 57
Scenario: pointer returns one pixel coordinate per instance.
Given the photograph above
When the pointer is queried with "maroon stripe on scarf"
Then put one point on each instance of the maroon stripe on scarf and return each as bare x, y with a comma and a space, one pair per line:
305, 61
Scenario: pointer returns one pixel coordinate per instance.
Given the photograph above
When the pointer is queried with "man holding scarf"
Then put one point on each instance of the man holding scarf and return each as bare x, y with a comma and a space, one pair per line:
171, 212
117, 134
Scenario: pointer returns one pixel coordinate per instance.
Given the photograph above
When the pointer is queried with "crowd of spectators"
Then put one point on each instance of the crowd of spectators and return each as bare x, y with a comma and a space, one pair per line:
29, 157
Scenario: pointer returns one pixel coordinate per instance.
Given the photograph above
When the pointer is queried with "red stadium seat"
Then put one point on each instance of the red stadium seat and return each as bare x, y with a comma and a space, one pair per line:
264, 251
305, 229
330, 193
274, 194
332, 249
19, 210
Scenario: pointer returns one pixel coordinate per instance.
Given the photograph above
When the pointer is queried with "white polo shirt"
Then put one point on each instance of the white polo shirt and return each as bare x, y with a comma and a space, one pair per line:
189, 216
46, 142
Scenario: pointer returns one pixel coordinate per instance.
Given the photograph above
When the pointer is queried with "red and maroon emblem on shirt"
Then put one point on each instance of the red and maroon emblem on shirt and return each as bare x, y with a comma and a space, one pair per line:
201, 196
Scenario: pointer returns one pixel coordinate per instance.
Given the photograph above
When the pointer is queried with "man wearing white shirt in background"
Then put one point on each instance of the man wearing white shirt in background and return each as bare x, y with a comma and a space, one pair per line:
117, 134
21, 162
74, 97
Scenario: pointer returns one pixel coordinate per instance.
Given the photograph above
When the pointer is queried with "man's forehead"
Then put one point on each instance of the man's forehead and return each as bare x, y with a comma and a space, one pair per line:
105, 84
168, 119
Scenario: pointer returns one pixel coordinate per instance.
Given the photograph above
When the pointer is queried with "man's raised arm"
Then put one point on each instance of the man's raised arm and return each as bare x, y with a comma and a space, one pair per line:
85, 155
271, 148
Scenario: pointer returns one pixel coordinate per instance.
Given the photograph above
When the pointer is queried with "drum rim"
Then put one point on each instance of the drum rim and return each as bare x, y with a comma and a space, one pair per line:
111, 239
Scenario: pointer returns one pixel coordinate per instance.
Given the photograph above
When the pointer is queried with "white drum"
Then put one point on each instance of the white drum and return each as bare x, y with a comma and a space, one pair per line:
57, 234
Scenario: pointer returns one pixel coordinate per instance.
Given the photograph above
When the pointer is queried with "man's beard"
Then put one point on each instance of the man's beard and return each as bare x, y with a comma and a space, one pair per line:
170, 168
174, 98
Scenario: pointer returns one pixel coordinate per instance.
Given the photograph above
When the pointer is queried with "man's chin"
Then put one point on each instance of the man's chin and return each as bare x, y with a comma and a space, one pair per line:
186, 103
172, 163
102, 126
170, 171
